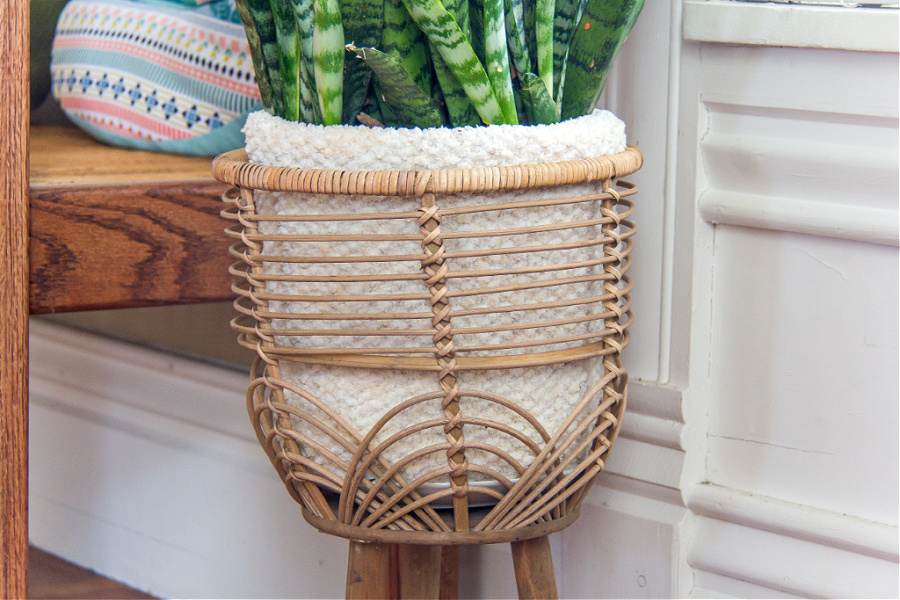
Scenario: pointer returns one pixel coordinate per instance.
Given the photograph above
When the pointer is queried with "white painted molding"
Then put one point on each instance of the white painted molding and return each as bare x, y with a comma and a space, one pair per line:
652, 430
768, 24
868, 224
797, 521
790, 566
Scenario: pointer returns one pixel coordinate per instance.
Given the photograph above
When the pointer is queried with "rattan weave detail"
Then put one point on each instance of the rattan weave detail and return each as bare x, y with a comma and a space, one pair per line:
479, 308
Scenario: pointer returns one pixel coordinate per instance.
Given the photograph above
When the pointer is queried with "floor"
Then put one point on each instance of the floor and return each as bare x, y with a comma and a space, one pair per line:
50, 577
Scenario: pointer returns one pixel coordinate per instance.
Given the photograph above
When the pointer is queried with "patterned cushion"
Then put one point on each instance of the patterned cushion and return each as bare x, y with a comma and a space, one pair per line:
155, 76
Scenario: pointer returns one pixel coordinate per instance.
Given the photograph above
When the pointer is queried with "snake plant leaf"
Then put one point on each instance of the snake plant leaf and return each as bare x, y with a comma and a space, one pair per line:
496, 58
540, 106
476, 28
357, 81
260, 12
515, 35
328, 59
460, 110
600, 35
543, 32
459, 10
410, 106
256, 54
304, 13
405, 42
288, 57
456, 52
568, 15
363, 22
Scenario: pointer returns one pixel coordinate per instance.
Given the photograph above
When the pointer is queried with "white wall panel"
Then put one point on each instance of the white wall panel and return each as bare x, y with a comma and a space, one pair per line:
798, 184
804, 370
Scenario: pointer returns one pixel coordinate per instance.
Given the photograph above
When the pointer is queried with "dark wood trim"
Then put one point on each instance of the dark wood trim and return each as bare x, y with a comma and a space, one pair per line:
127, 246
14, 114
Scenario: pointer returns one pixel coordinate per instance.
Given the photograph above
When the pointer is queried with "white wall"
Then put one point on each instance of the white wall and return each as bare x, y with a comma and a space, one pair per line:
759, 454
794, 347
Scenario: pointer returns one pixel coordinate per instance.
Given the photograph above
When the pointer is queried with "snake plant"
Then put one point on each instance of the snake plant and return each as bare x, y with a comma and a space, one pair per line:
434, 63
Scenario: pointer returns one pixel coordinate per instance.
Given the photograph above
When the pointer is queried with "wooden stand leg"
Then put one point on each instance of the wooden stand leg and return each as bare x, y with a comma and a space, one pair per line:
368, 571
449, 572
534, 569
420, 572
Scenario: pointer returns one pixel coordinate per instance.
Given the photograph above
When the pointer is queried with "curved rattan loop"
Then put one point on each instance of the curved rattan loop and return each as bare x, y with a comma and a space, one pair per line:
453, 287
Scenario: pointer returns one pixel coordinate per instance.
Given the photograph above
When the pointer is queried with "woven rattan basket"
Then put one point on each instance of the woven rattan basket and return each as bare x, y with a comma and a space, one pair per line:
468, 487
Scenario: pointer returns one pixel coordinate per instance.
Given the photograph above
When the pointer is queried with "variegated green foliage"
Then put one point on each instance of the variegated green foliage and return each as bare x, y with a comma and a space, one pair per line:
597, 40
409, 105
363, 22
432, 63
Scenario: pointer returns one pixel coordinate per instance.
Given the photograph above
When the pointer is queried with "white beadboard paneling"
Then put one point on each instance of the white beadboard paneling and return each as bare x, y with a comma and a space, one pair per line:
788, 565
653, 415
804, 371
802, 155
652, 463
770, 24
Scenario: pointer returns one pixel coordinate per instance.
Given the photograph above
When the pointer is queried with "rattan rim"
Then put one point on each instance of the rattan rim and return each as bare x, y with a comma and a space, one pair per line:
435, 538
234, 168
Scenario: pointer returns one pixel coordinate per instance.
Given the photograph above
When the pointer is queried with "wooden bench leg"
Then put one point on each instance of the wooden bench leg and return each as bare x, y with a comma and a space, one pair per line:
368, 571
534, 569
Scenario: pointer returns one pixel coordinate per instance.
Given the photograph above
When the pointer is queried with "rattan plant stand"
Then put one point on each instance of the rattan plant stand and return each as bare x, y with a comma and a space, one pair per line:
342, 474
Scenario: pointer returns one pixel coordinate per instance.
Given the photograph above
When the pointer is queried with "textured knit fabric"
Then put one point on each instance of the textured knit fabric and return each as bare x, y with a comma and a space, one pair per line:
155, 76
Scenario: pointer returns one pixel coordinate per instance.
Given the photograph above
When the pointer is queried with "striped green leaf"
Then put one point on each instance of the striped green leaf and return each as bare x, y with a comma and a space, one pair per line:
406, 42
600, 34
543, 33
542, 110
256, 54
260, 12
288, 57
568, 14
456, 52
460, 110
496, 58
475, 34
328, 59
410, 106
304, 13
363, 22
515, 35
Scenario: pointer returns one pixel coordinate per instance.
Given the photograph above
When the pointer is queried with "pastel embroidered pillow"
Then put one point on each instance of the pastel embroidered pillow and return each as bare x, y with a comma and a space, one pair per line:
155, 76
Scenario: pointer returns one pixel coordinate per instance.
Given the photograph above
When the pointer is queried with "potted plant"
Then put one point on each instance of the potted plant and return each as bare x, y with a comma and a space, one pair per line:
433, 255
